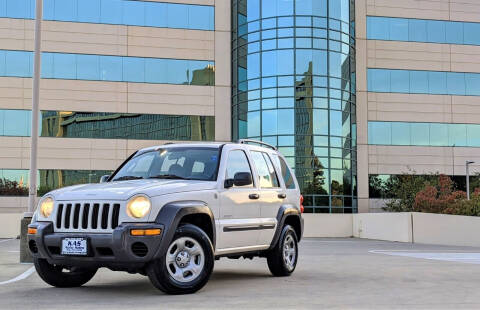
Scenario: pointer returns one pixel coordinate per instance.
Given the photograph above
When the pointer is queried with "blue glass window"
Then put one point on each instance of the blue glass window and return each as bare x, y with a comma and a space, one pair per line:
436, 31
471, 33
111, 11
155, 14
378, 28
64, 66
423, 134
65, 10
89, 11
18, 9
2, 63
399, 81
17, 63
253, 10
423, 82
417, 31
133, 69
422, 30
128, 12
399, 29
456, 83
454, 33
15, 123
88, 67
109, 68
134, 13
177, 15
155, 71
418, 82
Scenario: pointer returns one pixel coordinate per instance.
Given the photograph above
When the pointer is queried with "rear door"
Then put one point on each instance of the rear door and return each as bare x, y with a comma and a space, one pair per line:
239, 209
271, 195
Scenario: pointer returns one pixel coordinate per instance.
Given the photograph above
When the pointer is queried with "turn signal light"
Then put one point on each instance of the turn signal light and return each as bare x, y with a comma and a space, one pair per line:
146, 232
301, 204
32, 231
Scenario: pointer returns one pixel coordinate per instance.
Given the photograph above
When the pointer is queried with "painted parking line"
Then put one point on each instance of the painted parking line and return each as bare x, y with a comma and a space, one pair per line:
461, 257
23, 276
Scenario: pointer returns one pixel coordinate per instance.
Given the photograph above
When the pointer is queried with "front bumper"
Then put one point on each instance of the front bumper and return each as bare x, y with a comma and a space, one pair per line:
117, 250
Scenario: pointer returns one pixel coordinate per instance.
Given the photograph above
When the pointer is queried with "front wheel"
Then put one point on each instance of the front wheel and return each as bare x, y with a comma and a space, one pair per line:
187, 265
60, 276
282, 259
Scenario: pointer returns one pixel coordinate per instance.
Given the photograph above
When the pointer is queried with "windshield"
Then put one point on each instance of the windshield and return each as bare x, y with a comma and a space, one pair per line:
189, 163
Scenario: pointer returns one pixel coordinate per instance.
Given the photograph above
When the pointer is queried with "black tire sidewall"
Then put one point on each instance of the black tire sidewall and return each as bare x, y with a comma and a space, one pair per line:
159, 275
50, 275
275, 260
288, 230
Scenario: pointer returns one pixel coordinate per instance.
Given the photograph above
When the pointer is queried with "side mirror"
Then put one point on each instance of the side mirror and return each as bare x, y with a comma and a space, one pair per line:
240, 179
104, 178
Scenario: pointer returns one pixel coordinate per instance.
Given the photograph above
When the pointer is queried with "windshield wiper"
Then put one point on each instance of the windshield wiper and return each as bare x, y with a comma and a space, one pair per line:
128, 177
167, 176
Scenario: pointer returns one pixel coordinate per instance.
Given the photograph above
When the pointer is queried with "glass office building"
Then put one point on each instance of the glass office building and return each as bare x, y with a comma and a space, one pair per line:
294, 87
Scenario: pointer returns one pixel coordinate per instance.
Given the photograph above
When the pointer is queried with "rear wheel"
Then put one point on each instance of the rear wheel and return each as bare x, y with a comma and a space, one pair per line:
60, 276
187, 265
282, 259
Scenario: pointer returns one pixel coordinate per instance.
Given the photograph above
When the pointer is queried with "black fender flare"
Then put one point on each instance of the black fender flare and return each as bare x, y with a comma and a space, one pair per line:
172, 213
284, 212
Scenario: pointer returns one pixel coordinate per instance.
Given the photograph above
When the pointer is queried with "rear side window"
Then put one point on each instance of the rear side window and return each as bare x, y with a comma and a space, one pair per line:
266, 173
286, 174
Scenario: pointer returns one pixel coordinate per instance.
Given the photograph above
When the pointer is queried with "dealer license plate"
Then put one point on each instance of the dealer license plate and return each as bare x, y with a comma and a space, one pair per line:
74, 246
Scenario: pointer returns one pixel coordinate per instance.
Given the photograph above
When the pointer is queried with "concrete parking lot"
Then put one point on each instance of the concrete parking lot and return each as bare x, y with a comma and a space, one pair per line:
331, 273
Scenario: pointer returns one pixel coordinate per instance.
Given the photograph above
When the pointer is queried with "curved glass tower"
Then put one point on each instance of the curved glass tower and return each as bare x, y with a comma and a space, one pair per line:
294, 87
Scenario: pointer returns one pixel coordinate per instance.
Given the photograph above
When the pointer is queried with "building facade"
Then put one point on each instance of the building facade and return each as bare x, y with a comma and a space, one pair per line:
353, 92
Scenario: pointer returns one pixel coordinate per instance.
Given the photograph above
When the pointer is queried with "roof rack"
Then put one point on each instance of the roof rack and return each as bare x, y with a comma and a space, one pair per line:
246, 141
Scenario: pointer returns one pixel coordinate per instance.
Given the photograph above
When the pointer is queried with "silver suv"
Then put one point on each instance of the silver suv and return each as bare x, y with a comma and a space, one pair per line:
168, 212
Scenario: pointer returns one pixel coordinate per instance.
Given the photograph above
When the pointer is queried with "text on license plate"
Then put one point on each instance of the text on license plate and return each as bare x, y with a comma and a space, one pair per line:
74, 246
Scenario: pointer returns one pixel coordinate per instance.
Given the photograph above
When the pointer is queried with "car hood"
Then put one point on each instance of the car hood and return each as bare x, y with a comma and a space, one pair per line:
123, 190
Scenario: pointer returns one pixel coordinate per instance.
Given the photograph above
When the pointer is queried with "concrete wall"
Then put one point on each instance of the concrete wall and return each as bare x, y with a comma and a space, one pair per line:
10, 225
383, 226
328, 225
446, 229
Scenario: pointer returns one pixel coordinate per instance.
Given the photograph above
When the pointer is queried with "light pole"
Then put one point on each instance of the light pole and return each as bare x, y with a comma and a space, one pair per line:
32, 191
467, 163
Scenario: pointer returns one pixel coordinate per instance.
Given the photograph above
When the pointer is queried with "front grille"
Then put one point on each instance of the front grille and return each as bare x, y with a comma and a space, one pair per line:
87, 216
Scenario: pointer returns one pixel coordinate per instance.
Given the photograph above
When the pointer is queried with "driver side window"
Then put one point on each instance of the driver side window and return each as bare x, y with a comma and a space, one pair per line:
237, 162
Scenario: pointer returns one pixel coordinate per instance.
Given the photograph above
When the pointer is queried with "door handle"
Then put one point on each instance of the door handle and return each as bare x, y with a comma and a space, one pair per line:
282, 196
254, 196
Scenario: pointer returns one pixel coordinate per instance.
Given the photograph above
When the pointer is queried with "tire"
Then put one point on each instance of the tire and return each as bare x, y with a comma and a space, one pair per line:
187, 264
56, 276
279, 264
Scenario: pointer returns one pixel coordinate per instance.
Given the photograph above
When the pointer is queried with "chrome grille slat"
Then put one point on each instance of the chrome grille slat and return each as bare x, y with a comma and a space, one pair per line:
72, 212
80, 216
87, 216
110, 214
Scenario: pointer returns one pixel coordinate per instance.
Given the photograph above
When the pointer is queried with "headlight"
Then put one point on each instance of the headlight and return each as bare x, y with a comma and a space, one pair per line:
46, 207
138, 207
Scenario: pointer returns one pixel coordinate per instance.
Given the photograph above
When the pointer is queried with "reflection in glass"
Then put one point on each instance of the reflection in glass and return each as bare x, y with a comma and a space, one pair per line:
423, 82
16, 182
423, 134
110, 68
119, 12
422, 30
293, 86
104, 125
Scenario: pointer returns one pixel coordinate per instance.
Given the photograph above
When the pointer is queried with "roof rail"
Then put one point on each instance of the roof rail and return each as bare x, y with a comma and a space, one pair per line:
246, 141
